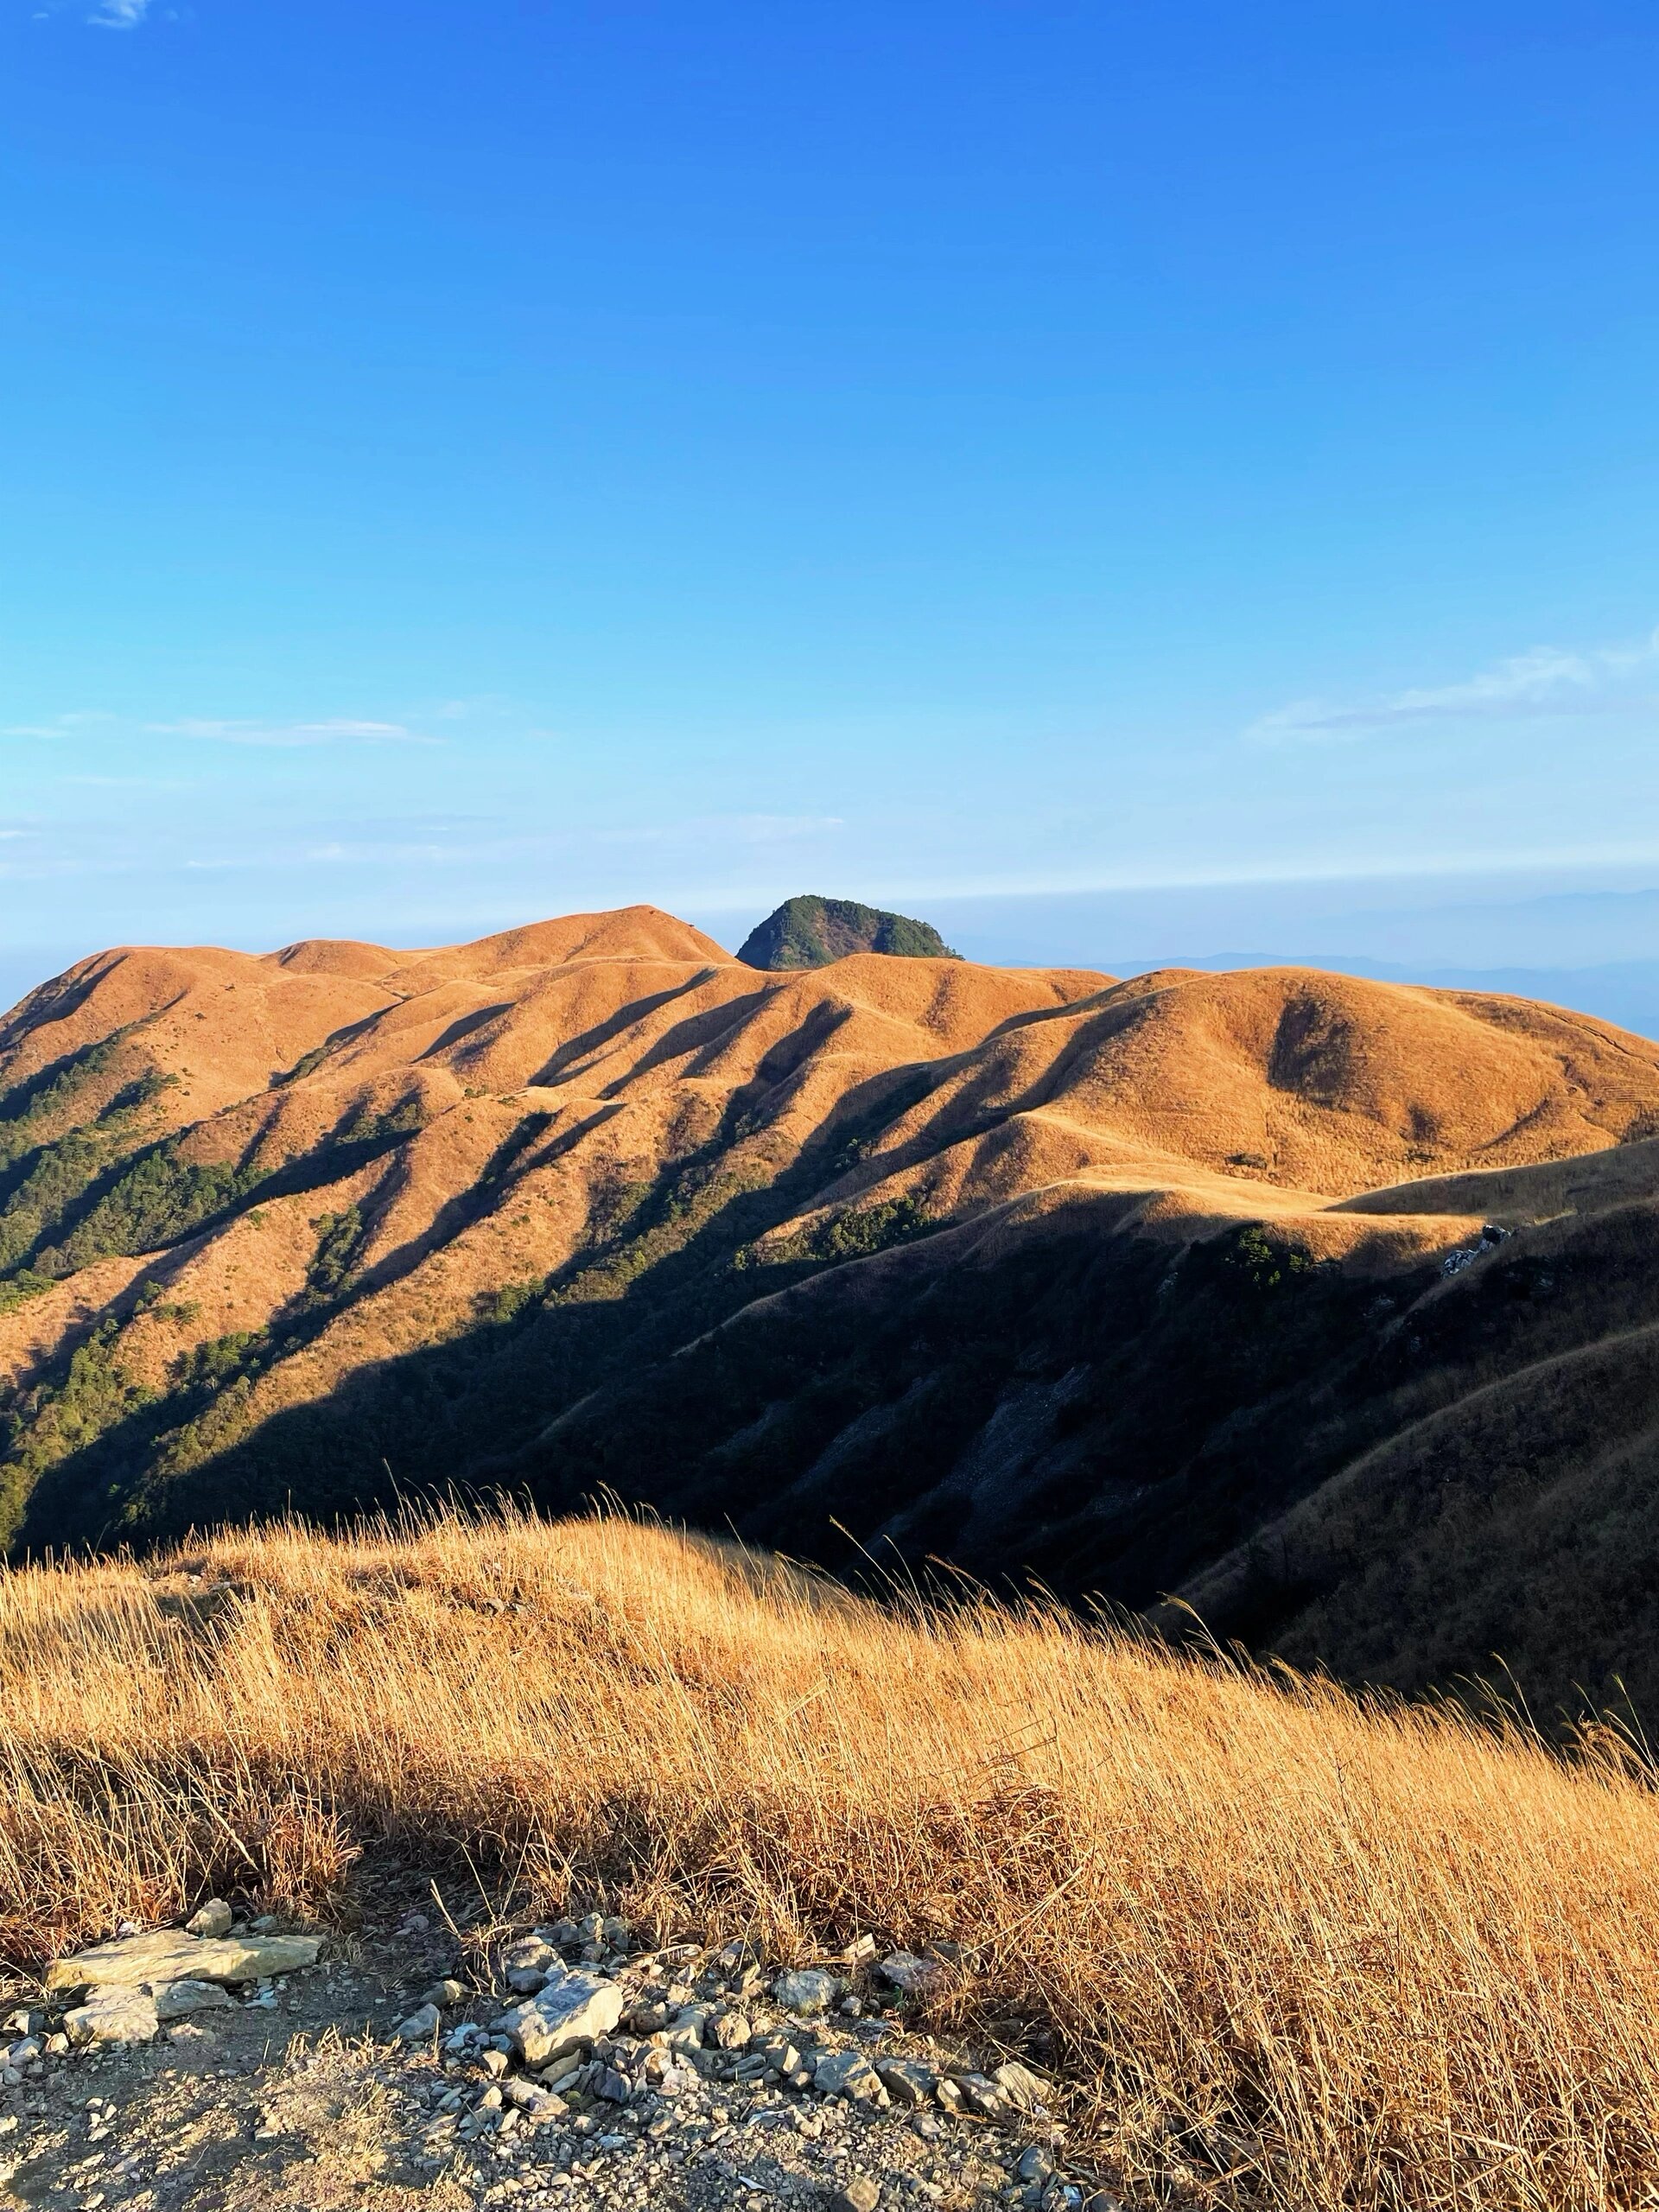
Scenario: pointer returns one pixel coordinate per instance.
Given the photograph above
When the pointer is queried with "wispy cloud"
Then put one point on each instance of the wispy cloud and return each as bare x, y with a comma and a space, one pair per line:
731, 829
119, 15
339, 729
57, 725
244, 729
134, 783
1546, 681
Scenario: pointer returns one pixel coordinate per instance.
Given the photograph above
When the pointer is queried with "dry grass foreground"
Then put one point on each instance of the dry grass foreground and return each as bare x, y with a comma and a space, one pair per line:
1295, 1951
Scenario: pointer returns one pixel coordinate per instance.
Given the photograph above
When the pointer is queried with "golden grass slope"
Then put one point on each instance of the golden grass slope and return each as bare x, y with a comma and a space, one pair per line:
1292, 1950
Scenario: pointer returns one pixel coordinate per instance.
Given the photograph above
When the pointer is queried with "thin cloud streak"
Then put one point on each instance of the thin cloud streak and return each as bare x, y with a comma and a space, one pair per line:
339, 729
119, 15
1543, 683
60, 726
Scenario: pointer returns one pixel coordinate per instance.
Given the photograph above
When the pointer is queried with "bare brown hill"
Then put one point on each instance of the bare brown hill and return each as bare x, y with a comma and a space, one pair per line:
1122, 1281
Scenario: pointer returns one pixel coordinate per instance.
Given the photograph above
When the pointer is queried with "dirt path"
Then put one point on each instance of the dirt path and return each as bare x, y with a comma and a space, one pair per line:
300, 2097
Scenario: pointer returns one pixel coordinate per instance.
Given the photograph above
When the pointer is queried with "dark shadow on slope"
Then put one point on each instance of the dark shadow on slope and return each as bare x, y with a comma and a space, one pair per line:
575, 1049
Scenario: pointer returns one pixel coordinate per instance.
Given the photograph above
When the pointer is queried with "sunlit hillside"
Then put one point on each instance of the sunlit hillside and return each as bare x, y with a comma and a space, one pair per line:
1317, 1300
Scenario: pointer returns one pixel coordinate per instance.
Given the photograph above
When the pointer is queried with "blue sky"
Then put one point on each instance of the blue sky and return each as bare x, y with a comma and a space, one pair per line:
464, 462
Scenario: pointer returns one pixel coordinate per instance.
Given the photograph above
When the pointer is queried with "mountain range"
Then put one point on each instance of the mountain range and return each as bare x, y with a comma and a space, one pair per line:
1317, 1308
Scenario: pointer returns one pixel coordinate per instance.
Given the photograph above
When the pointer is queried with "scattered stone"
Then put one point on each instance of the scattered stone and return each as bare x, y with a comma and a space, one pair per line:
777, 2050
213, 1918
905, 2081
176, 1999
702, 2088
982, 2096
170, 1954
861, 2195
118, 2015
536, 2104
806, 1990
1026, 2091
531, 1954
915, 1976
848, 2074
569, 2010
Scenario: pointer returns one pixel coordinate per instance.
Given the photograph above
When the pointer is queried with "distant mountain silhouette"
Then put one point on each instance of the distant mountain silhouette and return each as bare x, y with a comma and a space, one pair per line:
811, 932
1328, 1305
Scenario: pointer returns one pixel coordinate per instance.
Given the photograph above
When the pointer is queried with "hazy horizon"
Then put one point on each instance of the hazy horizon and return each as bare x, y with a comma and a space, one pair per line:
1585, 944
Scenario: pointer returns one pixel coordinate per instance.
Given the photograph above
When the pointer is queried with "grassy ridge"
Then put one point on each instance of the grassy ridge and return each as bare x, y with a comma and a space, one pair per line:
1292, 1950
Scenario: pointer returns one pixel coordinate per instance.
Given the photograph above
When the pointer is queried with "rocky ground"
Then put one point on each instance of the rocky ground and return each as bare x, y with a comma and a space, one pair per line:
437, 2055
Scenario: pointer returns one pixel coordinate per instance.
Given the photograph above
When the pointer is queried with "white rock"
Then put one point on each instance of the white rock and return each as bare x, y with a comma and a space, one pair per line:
170, 1954
175, 1999
419, 2025
213, 1918
119, 2015
570, 2009
806, 1989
